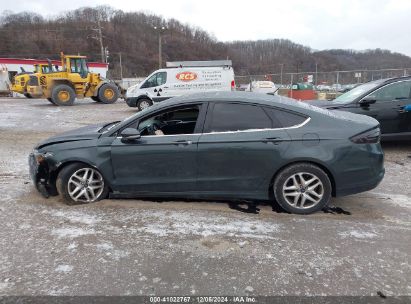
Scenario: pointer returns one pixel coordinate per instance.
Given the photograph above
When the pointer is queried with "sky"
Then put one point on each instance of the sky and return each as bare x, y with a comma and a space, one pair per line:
319, 24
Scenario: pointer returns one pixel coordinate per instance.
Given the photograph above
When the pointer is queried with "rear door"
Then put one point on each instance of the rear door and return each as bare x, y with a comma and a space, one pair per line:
240, 149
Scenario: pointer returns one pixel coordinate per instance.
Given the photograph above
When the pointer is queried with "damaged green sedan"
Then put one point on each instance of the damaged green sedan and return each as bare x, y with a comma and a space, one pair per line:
233, 145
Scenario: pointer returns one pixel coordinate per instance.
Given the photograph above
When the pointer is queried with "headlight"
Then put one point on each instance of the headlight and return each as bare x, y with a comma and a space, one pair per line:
41, 157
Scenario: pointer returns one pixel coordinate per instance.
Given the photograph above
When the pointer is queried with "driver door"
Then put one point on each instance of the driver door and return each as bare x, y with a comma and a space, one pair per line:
157, 164
389, 107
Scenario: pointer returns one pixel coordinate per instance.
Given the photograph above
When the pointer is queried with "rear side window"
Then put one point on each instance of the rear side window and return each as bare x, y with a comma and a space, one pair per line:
286, 119
238, 117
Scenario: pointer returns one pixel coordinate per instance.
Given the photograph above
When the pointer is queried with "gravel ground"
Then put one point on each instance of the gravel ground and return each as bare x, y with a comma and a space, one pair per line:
132, 247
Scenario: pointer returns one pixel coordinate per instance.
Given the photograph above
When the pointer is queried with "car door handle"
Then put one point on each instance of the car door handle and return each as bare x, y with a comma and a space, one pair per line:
273, 140
183, 142
400, 109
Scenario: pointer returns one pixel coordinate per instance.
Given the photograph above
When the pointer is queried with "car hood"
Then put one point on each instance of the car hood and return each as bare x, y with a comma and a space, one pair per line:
84, 133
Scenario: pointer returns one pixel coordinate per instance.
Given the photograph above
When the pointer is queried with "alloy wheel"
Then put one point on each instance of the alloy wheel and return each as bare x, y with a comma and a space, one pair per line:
85, 185
144, 105
303, 190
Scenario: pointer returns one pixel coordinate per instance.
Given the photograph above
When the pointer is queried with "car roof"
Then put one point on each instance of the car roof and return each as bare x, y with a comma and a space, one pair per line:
245, 97
393, 79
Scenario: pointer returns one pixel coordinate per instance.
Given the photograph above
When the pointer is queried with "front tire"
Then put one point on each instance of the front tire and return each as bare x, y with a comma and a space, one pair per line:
108, 93
81, 184
63, 95
144, 103
302, 188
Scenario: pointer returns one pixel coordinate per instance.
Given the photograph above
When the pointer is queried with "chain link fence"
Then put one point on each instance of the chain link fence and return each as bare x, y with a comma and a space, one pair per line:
328, 80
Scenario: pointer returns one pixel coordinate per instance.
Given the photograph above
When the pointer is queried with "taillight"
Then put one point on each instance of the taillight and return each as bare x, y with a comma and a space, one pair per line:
368, 137
232, 85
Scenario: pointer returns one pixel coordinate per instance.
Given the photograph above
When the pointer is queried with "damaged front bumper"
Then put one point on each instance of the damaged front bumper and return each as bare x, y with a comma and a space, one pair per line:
40, 173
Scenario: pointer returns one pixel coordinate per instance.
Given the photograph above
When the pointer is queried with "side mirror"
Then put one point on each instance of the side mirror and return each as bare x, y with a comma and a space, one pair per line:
130, 134
366, 101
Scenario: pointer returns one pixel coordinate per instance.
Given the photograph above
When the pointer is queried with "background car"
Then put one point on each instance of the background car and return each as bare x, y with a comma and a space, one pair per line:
238, 145
384, 100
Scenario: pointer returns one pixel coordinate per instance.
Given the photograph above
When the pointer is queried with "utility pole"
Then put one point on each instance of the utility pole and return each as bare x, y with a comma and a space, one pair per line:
100, 38
316, 73
160, 31
281, 74
121, 68
106, 54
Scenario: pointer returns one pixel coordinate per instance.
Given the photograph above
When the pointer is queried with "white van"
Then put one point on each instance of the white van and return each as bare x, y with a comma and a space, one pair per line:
182, 77
267, 87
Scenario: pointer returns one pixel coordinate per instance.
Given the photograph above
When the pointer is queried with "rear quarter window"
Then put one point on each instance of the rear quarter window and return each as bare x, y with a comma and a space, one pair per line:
286, 119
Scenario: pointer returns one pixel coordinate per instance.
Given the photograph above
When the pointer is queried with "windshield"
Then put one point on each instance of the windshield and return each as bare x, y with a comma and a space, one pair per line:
351, 95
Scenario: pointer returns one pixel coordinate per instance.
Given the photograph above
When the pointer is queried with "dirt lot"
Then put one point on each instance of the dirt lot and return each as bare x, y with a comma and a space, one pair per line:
132, 247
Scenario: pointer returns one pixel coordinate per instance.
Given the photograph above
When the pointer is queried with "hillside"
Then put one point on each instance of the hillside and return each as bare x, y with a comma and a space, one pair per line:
132, 33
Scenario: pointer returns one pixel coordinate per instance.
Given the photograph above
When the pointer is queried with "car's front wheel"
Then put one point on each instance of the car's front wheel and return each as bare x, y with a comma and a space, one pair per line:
302, 188
144, 103
81, 184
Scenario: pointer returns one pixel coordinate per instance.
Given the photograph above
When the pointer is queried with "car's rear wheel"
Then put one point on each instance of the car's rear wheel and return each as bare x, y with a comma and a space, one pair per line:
81, 184
144, 103
302, 188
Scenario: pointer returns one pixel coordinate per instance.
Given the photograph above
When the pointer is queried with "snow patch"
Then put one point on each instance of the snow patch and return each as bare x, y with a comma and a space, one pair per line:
358, 234
162, 225
76, 217
104, 246
64, 268
71, 232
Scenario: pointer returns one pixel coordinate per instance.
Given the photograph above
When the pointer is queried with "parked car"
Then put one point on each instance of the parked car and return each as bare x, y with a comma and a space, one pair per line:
384, 100
180, 78
265, 87
237, 145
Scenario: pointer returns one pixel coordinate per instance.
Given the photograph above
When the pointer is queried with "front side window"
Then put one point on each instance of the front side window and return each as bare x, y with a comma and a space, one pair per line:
394, 91
79, 65
238, 117
155, 80
170, 122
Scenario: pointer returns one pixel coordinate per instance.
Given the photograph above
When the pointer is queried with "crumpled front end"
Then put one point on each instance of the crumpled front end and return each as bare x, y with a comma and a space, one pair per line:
41, 174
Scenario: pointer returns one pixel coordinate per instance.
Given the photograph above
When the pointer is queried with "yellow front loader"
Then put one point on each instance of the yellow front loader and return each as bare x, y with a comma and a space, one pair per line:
20, 81
74, 80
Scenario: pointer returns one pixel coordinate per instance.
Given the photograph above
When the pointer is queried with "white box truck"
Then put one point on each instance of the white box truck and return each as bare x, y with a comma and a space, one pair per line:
181, 77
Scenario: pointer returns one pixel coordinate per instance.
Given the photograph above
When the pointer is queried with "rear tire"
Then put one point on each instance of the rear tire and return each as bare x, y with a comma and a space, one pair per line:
81, 184
63, 95
95, 98
144, 103
108, 93
50, 100
302, 188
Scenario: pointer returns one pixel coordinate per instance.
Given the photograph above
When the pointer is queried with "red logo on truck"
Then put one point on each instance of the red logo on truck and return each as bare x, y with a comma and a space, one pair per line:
186, 76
